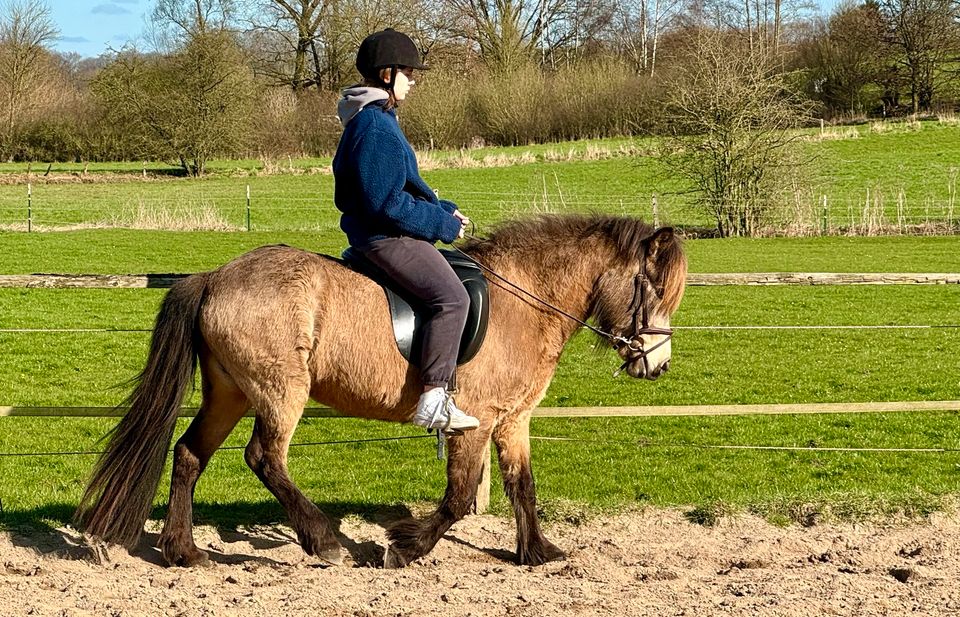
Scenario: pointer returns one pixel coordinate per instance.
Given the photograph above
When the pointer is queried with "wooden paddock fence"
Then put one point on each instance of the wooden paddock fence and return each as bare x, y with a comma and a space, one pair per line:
160, 281
482, 501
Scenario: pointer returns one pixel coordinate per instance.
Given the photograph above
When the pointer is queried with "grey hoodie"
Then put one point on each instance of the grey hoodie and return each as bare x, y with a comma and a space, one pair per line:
355, 99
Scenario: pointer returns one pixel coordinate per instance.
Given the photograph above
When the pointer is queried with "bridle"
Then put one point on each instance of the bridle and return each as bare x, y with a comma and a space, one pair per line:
639, 319
641, 324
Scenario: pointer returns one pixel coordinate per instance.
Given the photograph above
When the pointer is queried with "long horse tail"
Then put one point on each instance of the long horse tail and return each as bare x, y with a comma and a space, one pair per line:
119, 497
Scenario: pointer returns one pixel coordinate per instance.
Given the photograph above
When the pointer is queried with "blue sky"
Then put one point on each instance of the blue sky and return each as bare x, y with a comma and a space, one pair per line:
90, 27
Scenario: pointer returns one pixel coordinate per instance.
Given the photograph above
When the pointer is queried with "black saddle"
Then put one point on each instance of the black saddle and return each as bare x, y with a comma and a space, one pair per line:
408, 314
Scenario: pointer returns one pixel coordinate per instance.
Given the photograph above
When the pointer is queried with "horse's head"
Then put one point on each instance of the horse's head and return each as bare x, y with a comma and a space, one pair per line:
636, 297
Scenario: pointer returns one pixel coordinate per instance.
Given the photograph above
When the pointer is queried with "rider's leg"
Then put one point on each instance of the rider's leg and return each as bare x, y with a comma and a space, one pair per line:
420, 269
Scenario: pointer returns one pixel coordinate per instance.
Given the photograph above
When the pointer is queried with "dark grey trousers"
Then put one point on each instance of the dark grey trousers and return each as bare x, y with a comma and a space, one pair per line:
418, 267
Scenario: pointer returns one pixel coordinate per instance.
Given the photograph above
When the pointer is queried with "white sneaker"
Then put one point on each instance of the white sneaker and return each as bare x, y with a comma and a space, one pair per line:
435, 410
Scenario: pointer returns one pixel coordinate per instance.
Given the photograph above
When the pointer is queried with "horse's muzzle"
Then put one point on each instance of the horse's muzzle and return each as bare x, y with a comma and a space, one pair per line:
638, 369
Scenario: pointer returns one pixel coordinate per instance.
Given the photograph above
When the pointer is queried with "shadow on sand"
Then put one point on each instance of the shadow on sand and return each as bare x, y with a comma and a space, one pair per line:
48, 531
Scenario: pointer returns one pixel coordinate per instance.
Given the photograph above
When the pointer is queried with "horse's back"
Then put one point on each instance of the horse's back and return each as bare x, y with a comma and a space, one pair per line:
286, 310
275, 285
271, 266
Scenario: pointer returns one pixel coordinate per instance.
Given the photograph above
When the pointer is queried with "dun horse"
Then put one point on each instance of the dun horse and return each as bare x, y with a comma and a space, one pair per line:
278, 325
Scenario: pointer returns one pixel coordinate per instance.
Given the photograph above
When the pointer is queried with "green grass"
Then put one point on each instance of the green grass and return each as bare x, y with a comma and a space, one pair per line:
917, 161
120, 251
920, 162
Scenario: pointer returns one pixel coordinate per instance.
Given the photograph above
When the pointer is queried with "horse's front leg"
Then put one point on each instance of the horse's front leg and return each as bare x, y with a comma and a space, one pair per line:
512, 438
411, 539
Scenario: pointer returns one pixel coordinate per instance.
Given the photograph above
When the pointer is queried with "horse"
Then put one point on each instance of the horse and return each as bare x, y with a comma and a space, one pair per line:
280, 325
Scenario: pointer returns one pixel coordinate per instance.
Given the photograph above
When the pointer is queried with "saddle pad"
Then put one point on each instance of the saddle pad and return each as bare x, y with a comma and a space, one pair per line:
408, 315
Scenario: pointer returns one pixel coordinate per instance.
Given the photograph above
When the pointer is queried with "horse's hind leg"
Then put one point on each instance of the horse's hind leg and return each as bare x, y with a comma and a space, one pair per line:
411, 539
266, 454
512, 438
222, 407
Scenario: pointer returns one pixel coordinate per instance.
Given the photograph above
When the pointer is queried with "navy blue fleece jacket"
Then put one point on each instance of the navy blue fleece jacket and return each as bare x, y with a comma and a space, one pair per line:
377, 186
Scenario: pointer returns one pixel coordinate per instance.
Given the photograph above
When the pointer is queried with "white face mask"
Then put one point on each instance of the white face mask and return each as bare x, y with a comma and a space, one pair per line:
401, 86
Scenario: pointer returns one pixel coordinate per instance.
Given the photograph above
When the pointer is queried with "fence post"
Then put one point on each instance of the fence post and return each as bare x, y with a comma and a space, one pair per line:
900, 215
29, 208
248, 207
656, 212
825, 223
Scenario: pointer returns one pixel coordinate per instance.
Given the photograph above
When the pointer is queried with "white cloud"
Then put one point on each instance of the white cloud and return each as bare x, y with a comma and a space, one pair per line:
109, 9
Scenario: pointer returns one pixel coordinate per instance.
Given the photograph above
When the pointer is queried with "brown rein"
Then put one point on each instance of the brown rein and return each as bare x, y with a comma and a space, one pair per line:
638, 306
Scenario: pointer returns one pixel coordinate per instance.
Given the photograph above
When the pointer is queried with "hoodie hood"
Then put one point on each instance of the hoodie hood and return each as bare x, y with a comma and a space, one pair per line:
355, 99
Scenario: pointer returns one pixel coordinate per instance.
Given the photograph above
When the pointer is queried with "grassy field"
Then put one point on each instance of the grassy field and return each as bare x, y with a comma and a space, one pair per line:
493, 183
120, 251
614, 463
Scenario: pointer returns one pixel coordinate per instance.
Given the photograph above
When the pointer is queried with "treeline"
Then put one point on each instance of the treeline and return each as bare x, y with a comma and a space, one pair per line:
260, 78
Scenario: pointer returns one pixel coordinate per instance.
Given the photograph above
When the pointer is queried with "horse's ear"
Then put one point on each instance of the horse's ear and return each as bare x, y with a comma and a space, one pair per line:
660, 239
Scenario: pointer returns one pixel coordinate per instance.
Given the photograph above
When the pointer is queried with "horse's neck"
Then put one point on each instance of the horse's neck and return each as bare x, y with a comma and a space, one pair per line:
563, 275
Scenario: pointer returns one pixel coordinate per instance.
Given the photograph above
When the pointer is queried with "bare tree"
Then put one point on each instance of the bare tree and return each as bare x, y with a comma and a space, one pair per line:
638, 25
730, 112
288, 37
508, 33
764, 23
26, 28
175, 22
188, 106
312, 43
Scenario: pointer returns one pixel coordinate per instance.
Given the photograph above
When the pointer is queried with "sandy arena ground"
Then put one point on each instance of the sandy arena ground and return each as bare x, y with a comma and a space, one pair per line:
650, 563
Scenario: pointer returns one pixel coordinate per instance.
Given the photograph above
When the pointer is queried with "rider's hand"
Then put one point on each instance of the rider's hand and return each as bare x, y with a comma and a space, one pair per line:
464, 221
460, 233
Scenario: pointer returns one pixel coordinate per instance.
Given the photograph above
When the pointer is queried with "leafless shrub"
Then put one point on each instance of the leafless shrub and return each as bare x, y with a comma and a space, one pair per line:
509, 108
731, 115
436, 114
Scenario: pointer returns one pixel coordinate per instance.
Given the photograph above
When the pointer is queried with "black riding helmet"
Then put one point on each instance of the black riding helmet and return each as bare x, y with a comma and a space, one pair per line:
387, 49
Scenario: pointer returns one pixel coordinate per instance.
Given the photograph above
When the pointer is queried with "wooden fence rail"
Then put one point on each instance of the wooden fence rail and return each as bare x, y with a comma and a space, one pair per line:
563, 412
120, 281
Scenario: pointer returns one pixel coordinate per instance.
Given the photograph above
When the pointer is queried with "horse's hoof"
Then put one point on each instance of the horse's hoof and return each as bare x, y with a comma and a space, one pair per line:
557, 556
545, 554
331, 556
552, 552
191, 559
392, 559
326, 549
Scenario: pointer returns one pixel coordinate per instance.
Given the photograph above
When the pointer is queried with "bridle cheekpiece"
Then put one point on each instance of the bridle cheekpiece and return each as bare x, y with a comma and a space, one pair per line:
640, 324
